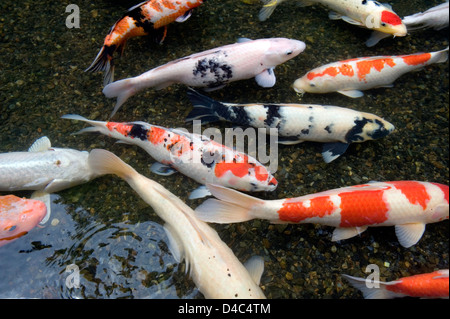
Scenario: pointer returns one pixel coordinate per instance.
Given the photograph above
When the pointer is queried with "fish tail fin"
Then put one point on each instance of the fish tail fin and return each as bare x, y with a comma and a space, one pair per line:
204, 108
97, 126
104, 62
443, 56
104, 162
268, 8
230, 207
122, 90
371, 289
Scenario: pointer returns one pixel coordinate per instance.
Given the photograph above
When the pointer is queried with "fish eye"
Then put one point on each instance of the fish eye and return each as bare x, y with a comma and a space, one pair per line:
383, 24
289, 53
312, 84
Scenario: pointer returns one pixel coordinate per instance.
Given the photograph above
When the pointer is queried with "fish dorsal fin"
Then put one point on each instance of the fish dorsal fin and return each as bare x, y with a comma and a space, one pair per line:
40, 145
442, 274
409, 234
255, 267
184, 17
242, 40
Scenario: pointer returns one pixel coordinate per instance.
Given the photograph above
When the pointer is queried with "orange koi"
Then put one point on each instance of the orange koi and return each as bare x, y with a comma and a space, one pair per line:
407, 205
147, 18
428, 285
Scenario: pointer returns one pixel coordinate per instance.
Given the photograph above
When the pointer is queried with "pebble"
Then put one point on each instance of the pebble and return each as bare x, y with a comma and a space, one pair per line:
55, 221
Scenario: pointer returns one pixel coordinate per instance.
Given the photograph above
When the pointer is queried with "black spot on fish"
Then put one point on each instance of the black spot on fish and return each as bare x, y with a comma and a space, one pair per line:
215, 72
380, 132
273, 114
354, 133
364, 2
328, 129
311, 118
138, 131
305, 131
140, 20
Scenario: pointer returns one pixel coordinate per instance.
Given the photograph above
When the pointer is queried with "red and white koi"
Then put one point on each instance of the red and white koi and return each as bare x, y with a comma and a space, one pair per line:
213, 69
44, 167
407, 205
193, 155
18, 216
212, 265
336, 127
429, 285
349, 77
147, 18
364, 13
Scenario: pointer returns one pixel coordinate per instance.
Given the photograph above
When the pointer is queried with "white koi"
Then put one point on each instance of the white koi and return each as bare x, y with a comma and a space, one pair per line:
211, 263
336, 127
364, 13
193, 155
213, 68
44, 168
436, 17
349, 77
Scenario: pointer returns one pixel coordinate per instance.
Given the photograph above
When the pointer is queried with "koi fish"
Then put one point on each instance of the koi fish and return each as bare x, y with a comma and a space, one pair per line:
429, 285
336, 127
214, 68
18, 216
147, 18
407, 205
211, 263
436, 17
363, 13
193, 155
44, 168
349, 77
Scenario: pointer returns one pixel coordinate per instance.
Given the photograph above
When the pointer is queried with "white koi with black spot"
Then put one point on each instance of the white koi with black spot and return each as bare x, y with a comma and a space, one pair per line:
193, 155
213, 69
336, 127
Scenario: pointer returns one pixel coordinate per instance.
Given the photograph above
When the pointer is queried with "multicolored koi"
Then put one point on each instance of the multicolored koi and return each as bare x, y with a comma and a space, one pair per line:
44, 167
193, 155
18, 216
147, 18
364, 13
349, 77
428, 285
407, 205
212, 265
336, 127
213, 69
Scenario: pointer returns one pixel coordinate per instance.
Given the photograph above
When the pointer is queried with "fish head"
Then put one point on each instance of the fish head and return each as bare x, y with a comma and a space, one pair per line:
281, 50
303, 85
18, 216
377, 128
386, 21
441, 210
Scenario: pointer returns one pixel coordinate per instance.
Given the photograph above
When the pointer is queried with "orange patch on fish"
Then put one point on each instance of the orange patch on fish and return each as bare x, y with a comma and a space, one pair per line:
444, 189
364, 67
297, 211
344, 69
240, 169
423, 285
416, 59
123, 129
362, 208
156, 135
416, 193
390, 18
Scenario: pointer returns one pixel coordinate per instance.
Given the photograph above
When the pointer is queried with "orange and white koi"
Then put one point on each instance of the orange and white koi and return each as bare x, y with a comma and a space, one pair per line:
429, 285
147, 18
407, 205
18, 216
193, 155
336, 127
44, 168
212, 265
349, 77
213, 69
364, 13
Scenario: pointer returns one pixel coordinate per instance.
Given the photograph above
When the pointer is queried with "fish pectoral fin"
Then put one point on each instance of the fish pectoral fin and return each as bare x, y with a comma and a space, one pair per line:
214, 88
289, 140
57, 185
347, 232
184, 17
351, 93
352, 21
162, 169
409, 234
255, 267
332, 15
375, 37
45, 198
331, 151
242, 40
266, 78
40, 145
175, 244
199, 192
